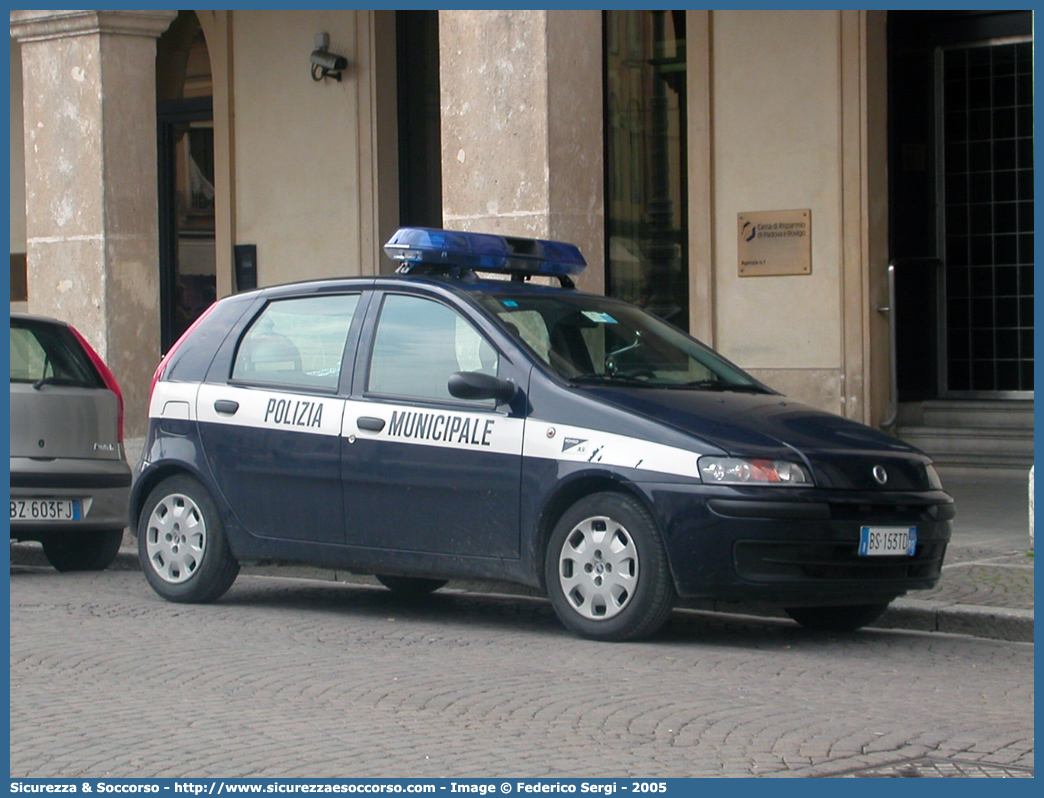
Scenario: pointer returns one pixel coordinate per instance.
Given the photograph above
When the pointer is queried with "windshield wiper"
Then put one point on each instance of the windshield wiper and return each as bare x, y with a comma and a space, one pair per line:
40, 383
610, 379
719, 385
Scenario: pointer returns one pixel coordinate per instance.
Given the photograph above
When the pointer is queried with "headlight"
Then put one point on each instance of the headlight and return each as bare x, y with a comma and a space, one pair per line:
742, 471
933, 478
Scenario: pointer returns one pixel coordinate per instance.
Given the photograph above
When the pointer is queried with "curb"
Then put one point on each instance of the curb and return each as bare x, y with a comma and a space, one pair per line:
992, 623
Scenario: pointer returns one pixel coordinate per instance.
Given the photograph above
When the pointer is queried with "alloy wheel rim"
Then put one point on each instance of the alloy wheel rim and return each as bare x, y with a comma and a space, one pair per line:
598, 568
176, 538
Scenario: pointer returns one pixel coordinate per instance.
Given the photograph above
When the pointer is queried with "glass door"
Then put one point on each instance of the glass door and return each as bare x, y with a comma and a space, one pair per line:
985, 115
188, 277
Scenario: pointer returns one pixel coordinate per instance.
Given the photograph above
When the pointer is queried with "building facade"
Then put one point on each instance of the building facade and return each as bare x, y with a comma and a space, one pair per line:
749, 175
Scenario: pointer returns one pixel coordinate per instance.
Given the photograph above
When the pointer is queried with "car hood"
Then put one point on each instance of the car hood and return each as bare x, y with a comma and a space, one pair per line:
842, 453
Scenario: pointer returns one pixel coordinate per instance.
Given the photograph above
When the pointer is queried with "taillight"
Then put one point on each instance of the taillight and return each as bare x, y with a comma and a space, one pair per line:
170, 352
106, 375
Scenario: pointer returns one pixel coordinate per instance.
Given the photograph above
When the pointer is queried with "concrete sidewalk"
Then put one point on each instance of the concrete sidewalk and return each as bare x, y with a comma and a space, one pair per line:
986, 589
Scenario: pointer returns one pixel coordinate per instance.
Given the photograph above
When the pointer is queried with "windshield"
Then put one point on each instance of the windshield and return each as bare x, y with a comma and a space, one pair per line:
596, 340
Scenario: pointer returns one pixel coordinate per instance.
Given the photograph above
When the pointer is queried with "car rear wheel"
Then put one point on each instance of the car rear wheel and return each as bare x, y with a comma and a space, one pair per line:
837, 619
606, 569
411, 585
86, 551
182, 545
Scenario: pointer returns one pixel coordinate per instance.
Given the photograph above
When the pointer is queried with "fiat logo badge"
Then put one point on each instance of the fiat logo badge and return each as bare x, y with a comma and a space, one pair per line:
880, 475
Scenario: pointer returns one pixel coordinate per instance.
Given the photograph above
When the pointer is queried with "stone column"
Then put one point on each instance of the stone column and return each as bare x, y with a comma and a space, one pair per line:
522, 127
91, 183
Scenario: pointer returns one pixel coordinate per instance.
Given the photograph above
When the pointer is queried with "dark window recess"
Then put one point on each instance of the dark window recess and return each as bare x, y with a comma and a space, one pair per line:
420, 137
19, 278
984, 160
961, 216
188, 283
245, 256
646, 161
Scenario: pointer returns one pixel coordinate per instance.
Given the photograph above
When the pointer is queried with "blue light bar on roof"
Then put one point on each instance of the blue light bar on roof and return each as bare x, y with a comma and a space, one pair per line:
484, 252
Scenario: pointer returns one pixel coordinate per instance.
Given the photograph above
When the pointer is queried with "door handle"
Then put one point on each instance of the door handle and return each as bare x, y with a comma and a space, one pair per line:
370, 423
226, 406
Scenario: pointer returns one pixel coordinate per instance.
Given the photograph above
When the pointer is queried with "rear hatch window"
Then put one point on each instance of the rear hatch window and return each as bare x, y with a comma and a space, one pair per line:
60, 406
49, 353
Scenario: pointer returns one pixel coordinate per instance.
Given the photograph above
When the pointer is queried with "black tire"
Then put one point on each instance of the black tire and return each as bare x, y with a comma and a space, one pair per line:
411, 585
837, 619
84, 551
606, 570
182, 545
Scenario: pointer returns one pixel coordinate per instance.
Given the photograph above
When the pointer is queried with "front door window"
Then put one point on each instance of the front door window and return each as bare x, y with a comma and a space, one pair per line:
419, 343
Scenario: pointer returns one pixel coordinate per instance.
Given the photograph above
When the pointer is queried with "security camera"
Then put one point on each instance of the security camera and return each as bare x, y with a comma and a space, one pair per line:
330, 62
324, 63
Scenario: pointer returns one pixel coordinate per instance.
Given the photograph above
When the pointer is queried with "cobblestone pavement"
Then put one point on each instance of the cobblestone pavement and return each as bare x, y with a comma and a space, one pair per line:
986, 578
287, 677
929, 767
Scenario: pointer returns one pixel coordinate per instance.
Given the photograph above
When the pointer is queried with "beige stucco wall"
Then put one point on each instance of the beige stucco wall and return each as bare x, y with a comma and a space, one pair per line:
305, 162
790, 129
777, 146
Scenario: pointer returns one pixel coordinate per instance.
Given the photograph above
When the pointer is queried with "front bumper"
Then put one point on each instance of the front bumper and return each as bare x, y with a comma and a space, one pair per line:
799, 548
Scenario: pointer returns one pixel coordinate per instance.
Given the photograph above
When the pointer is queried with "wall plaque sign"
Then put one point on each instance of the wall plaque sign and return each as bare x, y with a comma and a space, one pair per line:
775, 243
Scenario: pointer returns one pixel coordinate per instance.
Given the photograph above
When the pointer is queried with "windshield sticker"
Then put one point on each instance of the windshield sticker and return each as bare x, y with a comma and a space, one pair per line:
603, 318
510, 303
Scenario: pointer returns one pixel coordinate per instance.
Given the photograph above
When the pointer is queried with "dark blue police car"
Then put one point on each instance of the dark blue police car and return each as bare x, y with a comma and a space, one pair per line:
439, 424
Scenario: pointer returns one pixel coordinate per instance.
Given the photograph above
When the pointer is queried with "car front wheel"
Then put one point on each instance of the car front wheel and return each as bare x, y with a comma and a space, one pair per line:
606, 569
87, 551
181, 543
837, 619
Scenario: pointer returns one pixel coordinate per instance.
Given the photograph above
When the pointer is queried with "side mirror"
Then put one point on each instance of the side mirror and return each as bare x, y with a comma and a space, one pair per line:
476, 385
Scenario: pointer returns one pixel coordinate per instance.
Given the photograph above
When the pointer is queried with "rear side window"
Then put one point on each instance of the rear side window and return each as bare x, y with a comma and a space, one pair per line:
297, 343
50, 353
